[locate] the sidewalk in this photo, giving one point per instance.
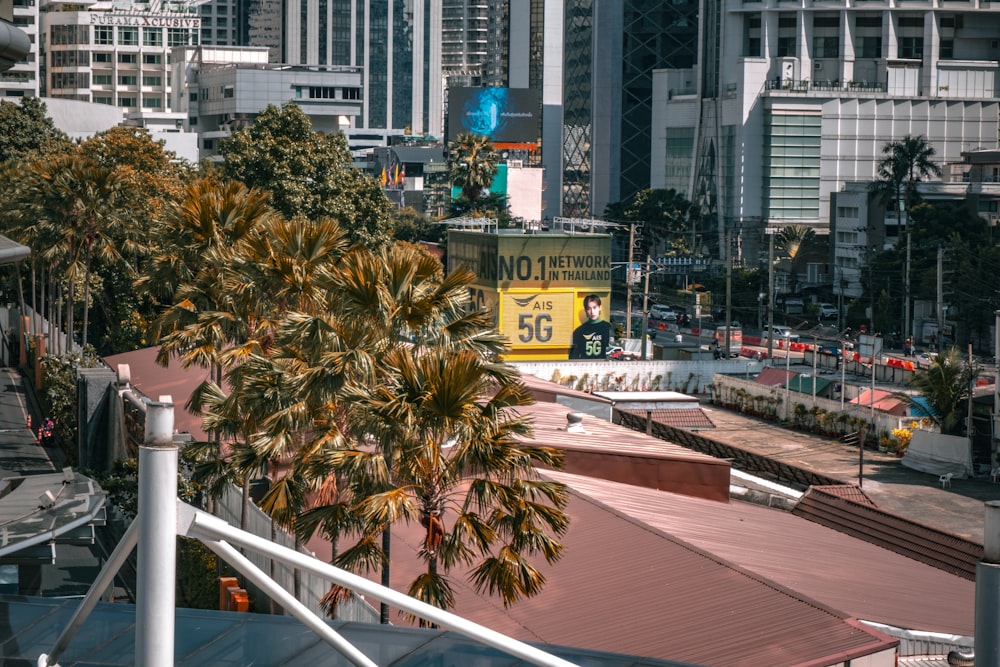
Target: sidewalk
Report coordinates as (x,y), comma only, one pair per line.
(893,487)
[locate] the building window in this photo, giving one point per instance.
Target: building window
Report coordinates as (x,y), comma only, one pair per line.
(70,34)
(152,36)
(70,58)
(911,48)
(102,79)
(128,36)
(786,46)
(847,212)
(104,34)
(322,93)
(208,144)
(102,58)
(352,93)
(228,92)
(102,100)
(791,165)
(947,49)
(177,37)
(127,58)
(126,101)
(869,47)
(152,81)
(71,80)
(126,80)
(192,97)
(152,102)
(753,41)
(826,47)
(152,58)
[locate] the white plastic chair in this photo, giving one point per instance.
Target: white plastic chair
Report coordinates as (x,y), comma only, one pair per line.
(945,480)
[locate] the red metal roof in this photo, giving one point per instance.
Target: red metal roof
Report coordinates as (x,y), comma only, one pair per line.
(884,401)
(628,585)
(774,377)
(862,580)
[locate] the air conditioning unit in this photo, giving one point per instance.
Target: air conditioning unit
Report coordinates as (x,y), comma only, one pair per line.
(515,164)
(817,66)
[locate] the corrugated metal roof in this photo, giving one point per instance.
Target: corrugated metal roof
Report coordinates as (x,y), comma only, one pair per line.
(865,521)
(774,377)
(881,400)
(861,579)
(627,584)
(551,424)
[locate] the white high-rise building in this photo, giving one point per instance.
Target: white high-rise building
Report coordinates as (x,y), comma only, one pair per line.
(789,102)
(113,53)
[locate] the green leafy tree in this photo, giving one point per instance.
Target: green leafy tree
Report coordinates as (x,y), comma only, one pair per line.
(946,385)
(413,226)
(472,165)
(26,130)
(307,173)
(669,221)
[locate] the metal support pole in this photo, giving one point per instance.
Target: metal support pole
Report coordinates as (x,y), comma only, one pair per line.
(861,457)
(628,281)
(788,378)
(157,558)
(645,312)
(843,373)
(987,638)
(770,298)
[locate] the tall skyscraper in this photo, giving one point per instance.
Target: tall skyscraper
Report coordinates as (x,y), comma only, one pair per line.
(593,60)
(397,44)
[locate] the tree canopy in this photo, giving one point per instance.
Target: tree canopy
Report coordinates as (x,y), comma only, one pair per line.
(307,173)
(26,129)
(668,221)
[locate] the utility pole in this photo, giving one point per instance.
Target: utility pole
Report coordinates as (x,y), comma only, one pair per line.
(729,294)
(628,280)
(972,395)
(770,297)
(645,311)
(940,300)
(906,281)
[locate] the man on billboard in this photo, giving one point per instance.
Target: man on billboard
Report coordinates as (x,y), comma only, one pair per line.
(592,338)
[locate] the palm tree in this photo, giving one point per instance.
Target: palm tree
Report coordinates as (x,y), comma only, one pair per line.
(472,164)
(377,304)
(903,165)
(945,384)
(791,240)
(449,454)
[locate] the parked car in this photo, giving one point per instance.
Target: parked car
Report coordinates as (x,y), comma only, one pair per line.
(661,311)
(778,332)
(827,311)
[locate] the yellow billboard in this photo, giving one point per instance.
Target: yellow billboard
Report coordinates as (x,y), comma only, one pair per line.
(539,261)
(537,285)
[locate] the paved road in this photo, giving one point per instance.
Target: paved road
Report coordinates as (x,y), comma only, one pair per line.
(893,487)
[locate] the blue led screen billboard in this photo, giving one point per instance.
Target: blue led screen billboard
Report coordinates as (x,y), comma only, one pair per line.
(505,115)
